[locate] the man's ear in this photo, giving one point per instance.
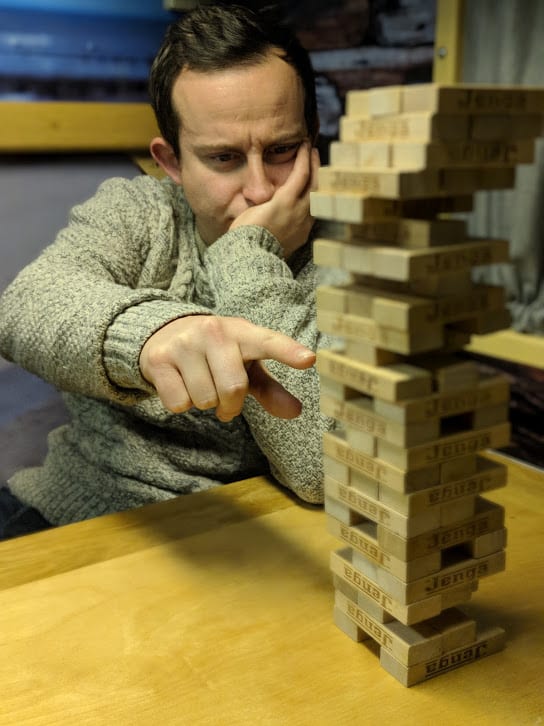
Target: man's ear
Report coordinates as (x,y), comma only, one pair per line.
(164,155)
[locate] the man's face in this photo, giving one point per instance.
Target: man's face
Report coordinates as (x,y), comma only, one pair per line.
(240,132)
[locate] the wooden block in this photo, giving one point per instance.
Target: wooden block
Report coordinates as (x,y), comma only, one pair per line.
(410,184)
(335,446)
(384,101)
(458,468)
(363,484)
(336,470)
(340,511)
(393,263)
(355,208)
(461,573)
(456,628)
(409,233)
(358,155)
(328,253)
(488,476)
(408,644)
(382,616)
(384,182)
(329,387)
(362,539)
(504,127)
(348,627)
(451,373)
(486,322)
(466,98)
(408,127)
(488,518)
(366,352)
(488,642)
(331,298)
(360,440)
(490,415)
(376,511)
(322,205)
(390,383)
(487,544)
(358,102)
(405,312)
(467,443)
(359,413)
(341,566)
(356,327)
(439,286)
(462,508)
(490,390)
(405,155)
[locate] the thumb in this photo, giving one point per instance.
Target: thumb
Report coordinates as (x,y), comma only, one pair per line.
(269,392)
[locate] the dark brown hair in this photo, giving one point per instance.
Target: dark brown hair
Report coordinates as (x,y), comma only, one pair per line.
(212,38)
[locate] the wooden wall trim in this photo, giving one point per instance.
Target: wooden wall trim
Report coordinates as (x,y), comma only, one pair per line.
(52,126)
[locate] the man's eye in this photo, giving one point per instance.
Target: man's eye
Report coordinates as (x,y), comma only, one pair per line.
(282,153)
(225,158)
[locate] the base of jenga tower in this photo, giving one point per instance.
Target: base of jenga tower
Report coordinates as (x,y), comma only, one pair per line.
(404,651)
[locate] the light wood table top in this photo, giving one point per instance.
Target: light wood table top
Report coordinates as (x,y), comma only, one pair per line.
(217,609)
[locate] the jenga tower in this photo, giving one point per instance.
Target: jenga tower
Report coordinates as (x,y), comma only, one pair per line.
(403,476)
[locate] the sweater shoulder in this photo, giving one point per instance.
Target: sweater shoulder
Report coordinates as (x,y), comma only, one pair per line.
(145,192)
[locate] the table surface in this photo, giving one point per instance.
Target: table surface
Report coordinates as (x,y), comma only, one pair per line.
(217,609)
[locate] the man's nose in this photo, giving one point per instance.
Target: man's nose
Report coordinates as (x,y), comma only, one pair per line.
(258,188)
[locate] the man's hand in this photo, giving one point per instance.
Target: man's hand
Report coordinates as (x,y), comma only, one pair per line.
(209,361)
(287,214)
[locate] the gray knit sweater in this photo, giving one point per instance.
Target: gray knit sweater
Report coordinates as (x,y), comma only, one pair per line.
(129,262)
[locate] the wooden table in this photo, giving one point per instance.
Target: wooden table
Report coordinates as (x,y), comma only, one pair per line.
(217,609)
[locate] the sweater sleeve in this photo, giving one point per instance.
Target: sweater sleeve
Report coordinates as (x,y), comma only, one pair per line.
(251,279)
(78,315)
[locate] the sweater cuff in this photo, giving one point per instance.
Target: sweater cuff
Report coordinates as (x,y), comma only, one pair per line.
(247,251)
(128,333)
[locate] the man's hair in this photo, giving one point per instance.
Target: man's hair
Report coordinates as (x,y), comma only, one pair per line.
(213,38)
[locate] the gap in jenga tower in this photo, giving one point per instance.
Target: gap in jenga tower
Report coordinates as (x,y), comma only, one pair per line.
(405,478)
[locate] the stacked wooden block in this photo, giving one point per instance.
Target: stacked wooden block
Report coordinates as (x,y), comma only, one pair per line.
(404,474)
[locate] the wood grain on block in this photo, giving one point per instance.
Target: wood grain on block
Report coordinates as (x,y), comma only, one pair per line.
(410,645)
(335,446)
(356,327)
(380,513)
(422,127)
(411,155)
(490,641)
(409,233)
(393,263)
(469,98)
(359,413)
(392,383)
(491,390)
(362,538)
(462,573)
(488,518)
(356,208)
(489,475)
(359,154)
(341,565)
(445,448)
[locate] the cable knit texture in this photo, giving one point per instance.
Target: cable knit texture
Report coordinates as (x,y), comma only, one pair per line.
(127,264)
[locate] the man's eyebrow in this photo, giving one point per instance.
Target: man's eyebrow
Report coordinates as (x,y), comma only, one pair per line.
(228,147)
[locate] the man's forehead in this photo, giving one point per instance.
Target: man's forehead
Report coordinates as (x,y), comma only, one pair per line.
(262,102)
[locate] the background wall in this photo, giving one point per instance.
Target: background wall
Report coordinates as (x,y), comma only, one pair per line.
(503,43)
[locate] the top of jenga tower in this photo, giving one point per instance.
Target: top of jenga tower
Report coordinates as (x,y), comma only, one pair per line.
(451,99)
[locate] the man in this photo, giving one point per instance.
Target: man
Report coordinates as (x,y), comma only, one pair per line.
(154,309)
